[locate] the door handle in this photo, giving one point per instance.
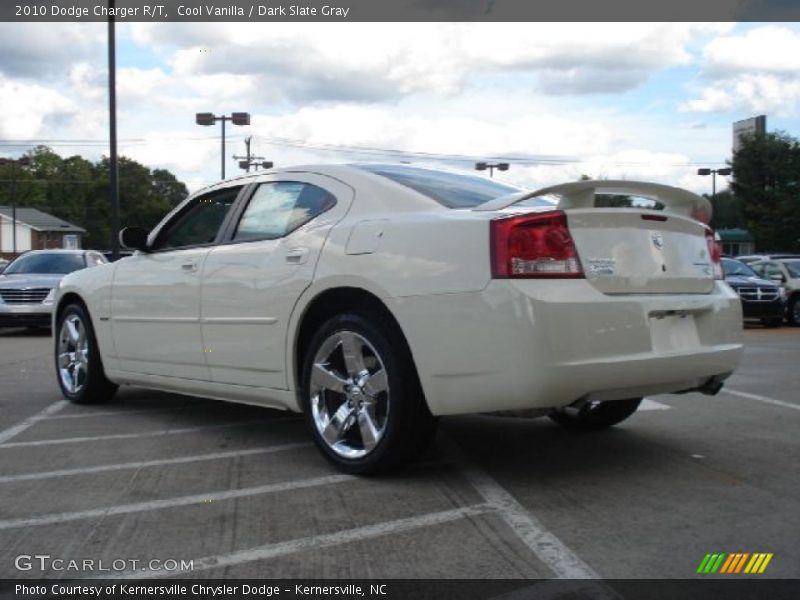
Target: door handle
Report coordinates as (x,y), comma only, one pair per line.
(297,256)
(189,267)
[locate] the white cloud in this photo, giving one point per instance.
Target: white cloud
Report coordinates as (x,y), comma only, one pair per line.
(768,49)
(28,108)
(376,61)
(756,71)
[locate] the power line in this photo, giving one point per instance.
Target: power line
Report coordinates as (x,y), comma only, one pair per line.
(368,150)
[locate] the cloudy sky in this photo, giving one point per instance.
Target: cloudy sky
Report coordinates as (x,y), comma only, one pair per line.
(637,101)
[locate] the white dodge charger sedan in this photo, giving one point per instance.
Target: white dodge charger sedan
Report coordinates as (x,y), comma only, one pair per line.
(375,298)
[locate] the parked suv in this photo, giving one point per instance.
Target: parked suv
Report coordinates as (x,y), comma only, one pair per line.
(28,284)
(761,299)
(785,272)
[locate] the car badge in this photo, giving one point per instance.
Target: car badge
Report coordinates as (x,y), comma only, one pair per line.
(658,240)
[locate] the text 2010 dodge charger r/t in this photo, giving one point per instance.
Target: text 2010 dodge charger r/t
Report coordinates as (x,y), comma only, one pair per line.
(375,298)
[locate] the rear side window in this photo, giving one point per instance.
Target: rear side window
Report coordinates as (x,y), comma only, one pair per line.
(278,208)
(453,190)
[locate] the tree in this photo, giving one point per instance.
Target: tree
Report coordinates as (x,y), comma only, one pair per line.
(78,190)
(766,182)
(727,213)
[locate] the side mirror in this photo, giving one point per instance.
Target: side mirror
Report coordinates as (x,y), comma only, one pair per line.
(133,238)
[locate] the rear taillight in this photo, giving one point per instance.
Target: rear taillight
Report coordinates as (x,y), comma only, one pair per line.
(533,245)
(714,254)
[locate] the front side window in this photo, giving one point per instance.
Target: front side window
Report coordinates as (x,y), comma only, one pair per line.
(793,266)
(278,208)
(199,223)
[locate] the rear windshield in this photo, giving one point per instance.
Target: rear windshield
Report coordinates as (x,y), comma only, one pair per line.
(58,264)
(453,190)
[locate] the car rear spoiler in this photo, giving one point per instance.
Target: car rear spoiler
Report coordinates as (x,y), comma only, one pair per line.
(581,194)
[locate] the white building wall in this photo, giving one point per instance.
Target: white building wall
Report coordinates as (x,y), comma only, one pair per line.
(7,236)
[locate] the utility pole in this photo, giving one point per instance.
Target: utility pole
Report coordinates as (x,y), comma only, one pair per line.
(247,161)
(19,162)
(112,137)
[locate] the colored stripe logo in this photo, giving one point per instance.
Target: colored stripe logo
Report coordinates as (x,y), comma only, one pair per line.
(734,563)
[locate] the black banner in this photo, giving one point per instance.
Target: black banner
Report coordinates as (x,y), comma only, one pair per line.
(400,10)
(421,589)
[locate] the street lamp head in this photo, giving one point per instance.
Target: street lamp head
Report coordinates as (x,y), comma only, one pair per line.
(240,118)
(502,166)
(267,164)
(481,166)
(725,171)
(704,171)
(205,118)
(243,164)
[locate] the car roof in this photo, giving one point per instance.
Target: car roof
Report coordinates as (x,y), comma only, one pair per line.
(347,172)
(55,251)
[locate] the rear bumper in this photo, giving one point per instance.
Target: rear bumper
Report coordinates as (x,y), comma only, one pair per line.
(538,344)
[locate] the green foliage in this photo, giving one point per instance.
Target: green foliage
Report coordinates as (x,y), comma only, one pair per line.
(728,213)
(767,184)
(79,191)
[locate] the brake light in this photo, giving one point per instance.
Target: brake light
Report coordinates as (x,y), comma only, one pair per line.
(533,245)
(714,253)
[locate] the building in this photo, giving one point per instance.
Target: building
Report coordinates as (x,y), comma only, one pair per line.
(36,230)
(735,242)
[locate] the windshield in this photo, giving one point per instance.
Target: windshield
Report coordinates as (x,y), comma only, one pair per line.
(735,267)
(793,266)
(46,263)
(453,190)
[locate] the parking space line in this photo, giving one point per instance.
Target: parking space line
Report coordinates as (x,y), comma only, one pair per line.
(544,544)
(758,398)
(153,463)
(124,509)
(124,436)
(316,542)
(11,432)
(648,404)
(105,413)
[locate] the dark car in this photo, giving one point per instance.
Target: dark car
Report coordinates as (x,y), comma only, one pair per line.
(761,299)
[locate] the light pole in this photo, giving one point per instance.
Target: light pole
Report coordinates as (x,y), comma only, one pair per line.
(482,166)
(22,162)
(237,118)
(714,173)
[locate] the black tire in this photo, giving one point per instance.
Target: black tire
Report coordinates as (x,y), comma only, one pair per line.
(88,376)
(400,420)
(600,416)
(793,313)
(773,322)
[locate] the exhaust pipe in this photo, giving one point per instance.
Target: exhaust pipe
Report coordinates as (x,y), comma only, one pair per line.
(577,409)
(713,385)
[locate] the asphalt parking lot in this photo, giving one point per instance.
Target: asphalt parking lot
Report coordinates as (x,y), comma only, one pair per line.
(241,492)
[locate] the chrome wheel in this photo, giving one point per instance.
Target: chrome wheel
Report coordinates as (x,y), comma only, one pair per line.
(73,354)
(349,394)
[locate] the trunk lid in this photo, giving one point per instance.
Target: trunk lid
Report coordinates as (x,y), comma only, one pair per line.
(629,251)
